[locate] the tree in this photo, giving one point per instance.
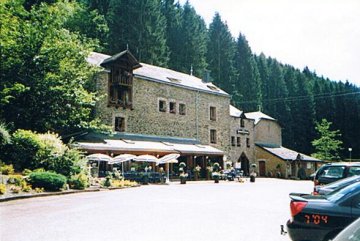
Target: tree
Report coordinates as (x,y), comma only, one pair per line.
(247,81)
(140,26)
(45,78)
(193,42)
(221,53)
(327,147)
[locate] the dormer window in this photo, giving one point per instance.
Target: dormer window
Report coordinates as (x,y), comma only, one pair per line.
(120,87)
(242,122)
(120,84)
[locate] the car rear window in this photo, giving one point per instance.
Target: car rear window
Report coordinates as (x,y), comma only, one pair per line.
(333,172)
(340,193)
(354,171)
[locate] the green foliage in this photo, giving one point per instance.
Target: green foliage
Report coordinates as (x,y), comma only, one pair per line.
(140,26)
(2,189)
(107,182)
(30,150)
(79,181)
(17,180)
(6,169)
(44,74)
(5,137)
(48,180)
(327,146)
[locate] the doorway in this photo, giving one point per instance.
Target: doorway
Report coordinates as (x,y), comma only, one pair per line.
(245,165)
(262,168)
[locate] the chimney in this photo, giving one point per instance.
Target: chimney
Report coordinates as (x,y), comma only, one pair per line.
(206,76)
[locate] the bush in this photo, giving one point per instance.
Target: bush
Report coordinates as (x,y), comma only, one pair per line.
(48,180)
(7,169)
(2,189)
(30,150)
(79,181)
(27,172)
(16,180)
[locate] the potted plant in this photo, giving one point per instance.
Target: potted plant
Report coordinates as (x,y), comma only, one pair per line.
(216,176)
(197,170)
(208,172)
(183,177)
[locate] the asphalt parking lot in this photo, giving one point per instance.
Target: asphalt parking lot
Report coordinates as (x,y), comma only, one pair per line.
(196,211)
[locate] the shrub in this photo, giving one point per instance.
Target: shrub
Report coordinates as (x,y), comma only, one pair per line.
(7,169)
(107,182)
(30,150)
(48,180)
(27,172)
(79,181)
(15,189)
(25,187)
(39,190)
(2,189)
(16,180)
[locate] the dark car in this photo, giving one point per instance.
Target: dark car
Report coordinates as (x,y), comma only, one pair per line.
(350,233)
(326,189)
(320,218)
(332,172)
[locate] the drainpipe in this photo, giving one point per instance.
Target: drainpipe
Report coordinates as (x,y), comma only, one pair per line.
(197,114)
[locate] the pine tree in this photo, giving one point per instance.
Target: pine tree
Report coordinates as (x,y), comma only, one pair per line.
(221,54)
(247,81)
(140,26)
(193,36)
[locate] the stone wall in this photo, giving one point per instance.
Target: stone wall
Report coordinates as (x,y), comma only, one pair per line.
(236,151)
(271,162)
(268,132)
(145,117)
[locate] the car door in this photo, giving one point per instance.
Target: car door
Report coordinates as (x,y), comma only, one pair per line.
(355,206)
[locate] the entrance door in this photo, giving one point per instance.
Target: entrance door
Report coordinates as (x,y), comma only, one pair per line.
(262,168)
(245,166)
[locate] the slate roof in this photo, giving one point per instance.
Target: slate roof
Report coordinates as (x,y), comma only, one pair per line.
(257,116)
(163,75)
(235,112)
(287,154)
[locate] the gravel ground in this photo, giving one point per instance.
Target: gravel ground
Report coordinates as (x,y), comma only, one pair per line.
(196,211)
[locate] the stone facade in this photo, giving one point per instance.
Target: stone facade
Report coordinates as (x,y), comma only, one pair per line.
(268,132)
(240,151)
(144,117)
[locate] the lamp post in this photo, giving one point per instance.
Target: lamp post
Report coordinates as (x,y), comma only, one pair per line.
(350,149)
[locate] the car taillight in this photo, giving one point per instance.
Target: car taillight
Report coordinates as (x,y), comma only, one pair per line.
(296,207)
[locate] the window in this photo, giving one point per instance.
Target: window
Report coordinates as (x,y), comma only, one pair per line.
(248,142)
(182,109)
(238,141)
(162,105)
(172,107)
(213,136)
(119,124)
(354,171)
(212,113)
(333,172)
(242,122)
(233,140)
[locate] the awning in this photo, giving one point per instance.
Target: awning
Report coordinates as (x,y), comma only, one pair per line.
(127,146)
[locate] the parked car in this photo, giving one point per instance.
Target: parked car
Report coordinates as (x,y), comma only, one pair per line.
(332,172)
(350,233)
(320,218)
(326,189)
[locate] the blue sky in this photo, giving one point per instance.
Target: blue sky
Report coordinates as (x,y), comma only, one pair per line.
(321,34)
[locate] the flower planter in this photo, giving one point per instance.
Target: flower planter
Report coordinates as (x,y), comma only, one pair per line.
(182,181)
(216,180)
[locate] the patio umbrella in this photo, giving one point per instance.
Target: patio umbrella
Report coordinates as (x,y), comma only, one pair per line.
(121,159)
(170,158)
(146,158)
(99,157)
(167,159)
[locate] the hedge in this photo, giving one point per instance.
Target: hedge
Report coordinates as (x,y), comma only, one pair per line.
(48,180)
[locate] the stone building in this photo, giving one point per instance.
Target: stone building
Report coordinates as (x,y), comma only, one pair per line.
(169,110)
(272,158)
(158,111)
